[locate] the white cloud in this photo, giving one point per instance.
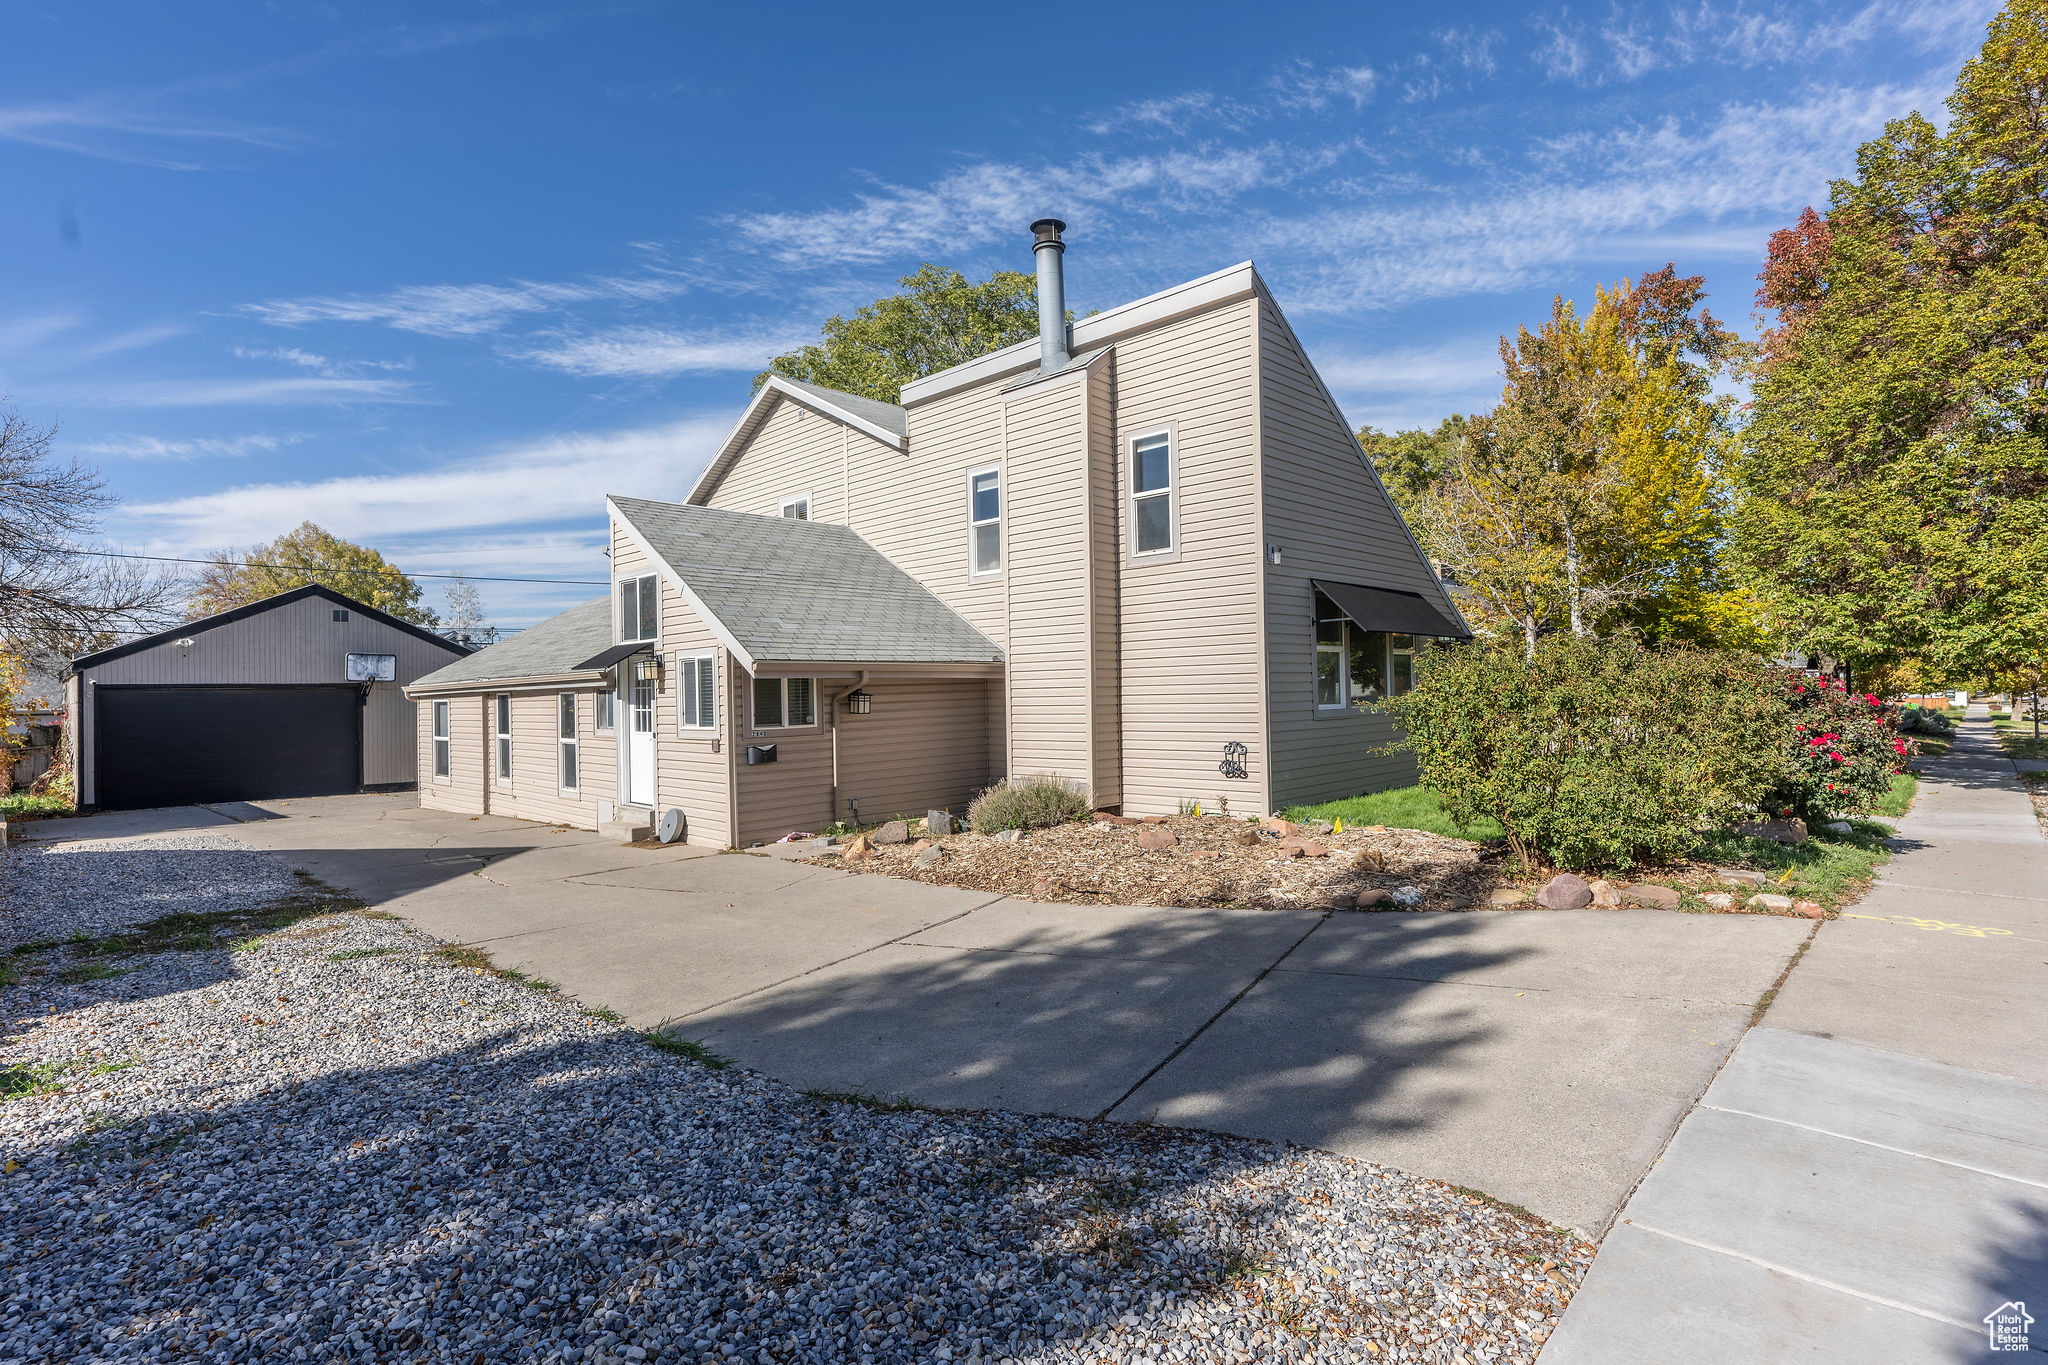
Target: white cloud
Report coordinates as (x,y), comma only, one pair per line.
(1466,365)
(207,393)
(458,310)
(132,135)
(191,448)
(1304,85)
(649,352)
(1471,48)
(320,364)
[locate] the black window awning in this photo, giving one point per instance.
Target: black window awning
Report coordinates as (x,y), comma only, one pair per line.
(1404,613)
(617,653)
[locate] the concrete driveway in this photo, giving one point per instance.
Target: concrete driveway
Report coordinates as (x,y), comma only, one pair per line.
(1544,1058)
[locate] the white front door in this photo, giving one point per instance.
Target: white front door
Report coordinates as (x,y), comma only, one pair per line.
(640,735)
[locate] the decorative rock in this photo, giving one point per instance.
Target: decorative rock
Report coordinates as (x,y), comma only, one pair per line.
(1720,900)
(920,846)
(1151,819)
(1606,895)
(1369,860)
(938,823)
(1010,836)
(1766,901)
(1103,817)
(1407,897)
(1507,895)
(1273,824)
(895,832)
(857,848)
(1840,827)
(1810,909)
(1157,840)
(1319,826)
(1644,893)
(1736,876)
(1246,839)
(929,857)
(1043,888)
(1788,831)
(1373,900)
(1565,891)
(1289,848)
(1305,848)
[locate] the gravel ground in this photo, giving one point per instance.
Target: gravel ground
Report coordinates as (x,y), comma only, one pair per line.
(49,891)
(338,1142)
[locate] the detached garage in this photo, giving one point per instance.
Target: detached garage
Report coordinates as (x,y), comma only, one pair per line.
(296,695)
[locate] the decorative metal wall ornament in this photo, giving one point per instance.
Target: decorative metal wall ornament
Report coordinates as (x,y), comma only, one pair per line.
(1234,755)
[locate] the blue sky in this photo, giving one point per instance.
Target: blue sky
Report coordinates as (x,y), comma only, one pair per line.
(440,276)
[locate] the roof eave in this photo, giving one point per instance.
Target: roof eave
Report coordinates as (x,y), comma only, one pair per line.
(539,682)
(743,431)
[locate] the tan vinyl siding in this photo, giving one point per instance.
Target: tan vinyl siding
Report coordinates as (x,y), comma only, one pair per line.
(1105,683)
(693,769)
(1324,509)
(1047,473)
(534,793)
(1189,627)
(463,791)
(795,791)
(797,450)
(291,644)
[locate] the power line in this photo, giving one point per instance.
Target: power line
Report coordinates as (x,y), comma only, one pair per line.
(290,568)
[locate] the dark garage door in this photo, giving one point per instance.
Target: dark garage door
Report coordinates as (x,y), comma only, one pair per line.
(167,746)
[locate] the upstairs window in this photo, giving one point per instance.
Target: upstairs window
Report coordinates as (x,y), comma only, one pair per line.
(639,609)
(985,521)
(784,703)
(1155,510)
(797,508)
(697,707)
(504,710)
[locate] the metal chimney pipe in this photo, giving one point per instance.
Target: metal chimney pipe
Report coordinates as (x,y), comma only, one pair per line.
(1047,247)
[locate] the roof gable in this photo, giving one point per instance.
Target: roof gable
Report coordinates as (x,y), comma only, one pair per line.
(885,422)
(779,590)
(257,608)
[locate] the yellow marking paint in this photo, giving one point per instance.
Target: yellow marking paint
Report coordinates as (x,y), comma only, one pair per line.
(1934,926)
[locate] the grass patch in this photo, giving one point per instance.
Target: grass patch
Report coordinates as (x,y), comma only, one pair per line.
(2016,738)
(356,954)
(80,972)
(875,1103)
(26,1080)
(1401,808)
(1899,799)
(686,1047)
(185,931)
(33,806)
(605,1013)
(1473,1196)
(476,959)
(1832,869)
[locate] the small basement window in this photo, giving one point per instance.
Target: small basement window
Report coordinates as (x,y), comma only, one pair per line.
(504,710)
(565,706)
(697,708)
(1155,508)
(441,739)
(784,703)
(639,609)
(984,522)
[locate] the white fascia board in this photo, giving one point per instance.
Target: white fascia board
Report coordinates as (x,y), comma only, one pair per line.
(1099,329)
(1076,373)
(575,681)
(750,419)
(1374,474)
(668,571)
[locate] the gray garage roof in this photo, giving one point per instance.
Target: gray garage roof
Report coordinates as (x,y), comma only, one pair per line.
(790,591)
(549,649)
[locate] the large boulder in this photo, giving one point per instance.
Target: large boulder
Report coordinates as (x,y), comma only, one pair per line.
(1153,839)
(1644,893)
(1606,895)
(895,832)
(938,823)
(1565,891)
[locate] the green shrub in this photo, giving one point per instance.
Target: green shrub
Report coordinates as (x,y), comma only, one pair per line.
(1595,753)
(1921,720)
(1841,754)
(1036,802)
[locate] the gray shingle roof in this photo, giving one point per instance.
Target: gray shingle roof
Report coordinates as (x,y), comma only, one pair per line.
(554,646)
(887,416)
(793,591)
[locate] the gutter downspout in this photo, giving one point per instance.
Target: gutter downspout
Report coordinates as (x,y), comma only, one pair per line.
(859,681)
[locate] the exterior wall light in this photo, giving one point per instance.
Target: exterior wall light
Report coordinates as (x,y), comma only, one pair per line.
(860,703)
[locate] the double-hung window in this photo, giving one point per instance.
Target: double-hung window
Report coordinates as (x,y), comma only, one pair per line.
(607,707)
(1355,665)
(984,522)
(565,710)
(797,508)
(440,739)
(639,609)
(504,711)
(784,703)
(1155,495)
(697,706)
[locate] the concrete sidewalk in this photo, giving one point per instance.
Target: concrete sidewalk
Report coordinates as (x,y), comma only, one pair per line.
(1867,1179)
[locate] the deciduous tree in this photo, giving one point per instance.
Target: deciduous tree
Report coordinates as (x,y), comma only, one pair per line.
(306,555)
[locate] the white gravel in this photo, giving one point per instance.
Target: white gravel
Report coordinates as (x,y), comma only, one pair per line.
(273,1154)
(51,890)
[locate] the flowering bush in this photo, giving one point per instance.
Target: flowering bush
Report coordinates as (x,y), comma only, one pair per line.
(1841,754)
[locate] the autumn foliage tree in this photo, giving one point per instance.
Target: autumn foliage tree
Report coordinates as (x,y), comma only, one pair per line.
(1894,472)
(297,558)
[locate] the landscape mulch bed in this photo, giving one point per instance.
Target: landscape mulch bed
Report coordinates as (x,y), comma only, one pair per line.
(1215,861)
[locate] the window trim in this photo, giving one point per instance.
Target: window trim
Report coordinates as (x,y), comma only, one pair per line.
(753,721)
(501,734)
(704,660)
(1171,554)
(640,582)
(1002,548)
(568,748)
(437,732)
(792,500)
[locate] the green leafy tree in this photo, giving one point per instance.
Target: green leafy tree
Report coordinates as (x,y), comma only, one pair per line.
(1413,464)
(1894,472)
(939,320)
(306,555)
